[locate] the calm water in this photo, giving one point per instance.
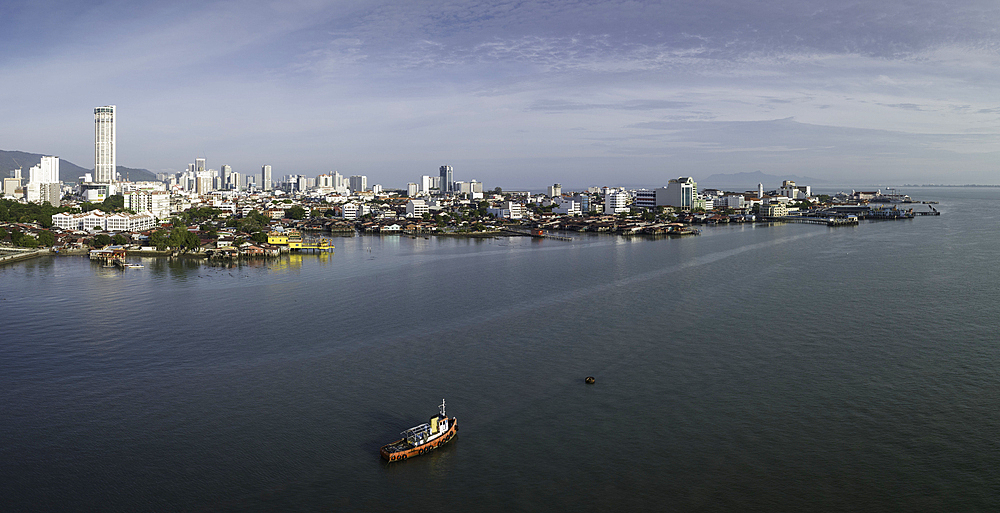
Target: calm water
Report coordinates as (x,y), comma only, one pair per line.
(753,368)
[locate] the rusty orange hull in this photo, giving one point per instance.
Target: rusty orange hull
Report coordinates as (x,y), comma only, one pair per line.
(389,454)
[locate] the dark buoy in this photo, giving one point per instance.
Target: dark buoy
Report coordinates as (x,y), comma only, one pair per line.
(590,380)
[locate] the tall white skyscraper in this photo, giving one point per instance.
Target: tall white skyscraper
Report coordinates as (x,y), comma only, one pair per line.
(104,144)
(265,178)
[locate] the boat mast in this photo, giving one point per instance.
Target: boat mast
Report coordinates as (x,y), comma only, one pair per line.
(442,408)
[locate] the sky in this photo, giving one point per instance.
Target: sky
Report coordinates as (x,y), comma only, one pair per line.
(515,94)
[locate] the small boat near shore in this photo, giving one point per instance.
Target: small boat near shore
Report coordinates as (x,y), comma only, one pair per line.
(421,439)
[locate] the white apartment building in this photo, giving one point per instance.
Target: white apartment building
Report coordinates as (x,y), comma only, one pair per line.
(349,210)
(616,202)
(129,222)
(566,206)
(507,210)
(153,202)
(416,208)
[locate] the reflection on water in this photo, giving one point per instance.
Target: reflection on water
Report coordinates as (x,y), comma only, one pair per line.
(736,371)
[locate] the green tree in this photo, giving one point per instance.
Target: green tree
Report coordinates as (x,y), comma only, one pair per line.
(159,239)
(46,238)
(259,237)
(100,240)
(113,203)
(3,234)
(119,240)
(27,241)
(296,212)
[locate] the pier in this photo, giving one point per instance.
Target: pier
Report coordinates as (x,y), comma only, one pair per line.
(829,221)
(537,233)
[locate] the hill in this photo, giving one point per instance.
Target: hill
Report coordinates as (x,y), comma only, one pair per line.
(68,171)
(749,181)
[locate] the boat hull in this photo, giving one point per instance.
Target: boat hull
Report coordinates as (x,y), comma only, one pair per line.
(405,454)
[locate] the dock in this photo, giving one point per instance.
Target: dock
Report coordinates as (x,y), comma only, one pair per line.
(537,233)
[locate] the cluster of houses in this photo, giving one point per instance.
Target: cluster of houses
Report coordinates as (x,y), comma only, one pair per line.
(598,209)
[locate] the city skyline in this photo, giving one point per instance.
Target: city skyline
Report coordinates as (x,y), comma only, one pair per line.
(517,96)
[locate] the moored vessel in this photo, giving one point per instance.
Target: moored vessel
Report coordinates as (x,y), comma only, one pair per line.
(418,440)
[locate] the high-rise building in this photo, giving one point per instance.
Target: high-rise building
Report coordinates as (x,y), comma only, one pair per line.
(358,183)
(680,192)
(199,165)
(265,178)
(104,144)
(226,172)
(447,179)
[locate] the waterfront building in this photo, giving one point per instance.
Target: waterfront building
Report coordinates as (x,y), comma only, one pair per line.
(736,201)
(416,208)
(790,190)
(96,219)
(507,210)
(773,210)
(566,206)
(447,179)
(616,202)
(680,192)
(105,145)
(265,178)
(645,198)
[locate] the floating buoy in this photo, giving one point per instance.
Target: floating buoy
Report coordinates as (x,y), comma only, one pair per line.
(590,380)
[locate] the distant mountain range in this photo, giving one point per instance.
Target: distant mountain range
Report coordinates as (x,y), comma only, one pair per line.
(749,181)
(68,171)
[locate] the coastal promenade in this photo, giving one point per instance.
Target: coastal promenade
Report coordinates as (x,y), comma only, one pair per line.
(11,255)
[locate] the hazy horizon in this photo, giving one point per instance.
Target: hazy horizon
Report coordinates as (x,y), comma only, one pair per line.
(516,95)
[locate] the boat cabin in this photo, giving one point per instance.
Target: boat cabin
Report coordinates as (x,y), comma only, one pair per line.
(423,433)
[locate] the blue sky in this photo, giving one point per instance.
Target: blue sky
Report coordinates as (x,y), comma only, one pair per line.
(515,94)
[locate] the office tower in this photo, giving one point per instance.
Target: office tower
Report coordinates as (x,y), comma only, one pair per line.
(104,144)
(555,190)
(265,178)
(447,179)
(358,183)
(226,172)
(199,165)
(234,181)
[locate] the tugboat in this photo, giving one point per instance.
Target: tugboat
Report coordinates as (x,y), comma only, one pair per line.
(423,438)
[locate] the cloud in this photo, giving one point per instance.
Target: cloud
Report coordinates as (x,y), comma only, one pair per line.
(642,105)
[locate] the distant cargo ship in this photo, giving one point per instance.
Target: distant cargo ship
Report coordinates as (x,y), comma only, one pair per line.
(423,438)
